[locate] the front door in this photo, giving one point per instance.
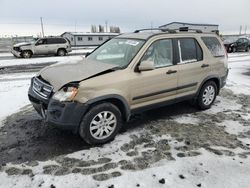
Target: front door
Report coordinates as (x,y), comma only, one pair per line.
(157,85)
(41,47)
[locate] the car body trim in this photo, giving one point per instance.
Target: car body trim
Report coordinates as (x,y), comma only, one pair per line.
(165,91)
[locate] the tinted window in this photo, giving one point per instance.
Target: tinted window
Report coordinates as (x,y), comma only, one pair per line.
(56,40)
(214,46)
(190,50)
(61,40)
(41,42)
(160,52)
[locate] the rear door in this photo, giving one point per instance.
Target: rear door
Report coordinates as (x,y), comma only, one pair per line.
(53,45)
(192,69)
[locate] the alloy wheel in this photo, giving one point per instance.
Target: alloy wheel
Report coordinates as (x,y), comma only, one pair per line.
(103,125)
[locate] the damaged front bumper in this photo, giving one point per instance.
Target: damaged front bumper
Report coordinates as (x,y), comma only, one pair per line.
(15,53)
(64,115)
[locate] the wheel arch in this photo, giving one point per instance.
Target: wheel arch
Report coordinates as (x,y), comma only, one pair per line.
(61,48)
(217,81)
(117,100)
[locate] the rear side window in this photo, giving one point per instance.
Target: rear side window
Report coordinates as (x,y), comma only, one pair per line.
(56,41)
(190,50)
(214,46)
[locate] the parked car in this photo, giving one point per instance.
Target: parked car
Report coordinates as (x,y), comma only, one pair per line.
(45,46)
(126,75)
(242,44)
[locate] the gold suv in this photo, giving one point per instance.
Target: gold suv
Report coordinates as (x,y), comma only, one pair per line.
(126,75)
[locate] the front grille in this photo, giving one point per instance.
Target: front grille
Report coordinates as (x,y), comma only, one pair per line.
(41,88)
(16,49)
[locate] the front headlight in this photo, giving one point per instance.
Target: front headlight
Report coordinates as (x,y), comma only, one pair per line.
(66,94)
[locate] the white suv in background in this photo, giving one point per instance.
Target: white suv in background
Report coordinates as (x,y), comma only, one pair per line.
(45,46)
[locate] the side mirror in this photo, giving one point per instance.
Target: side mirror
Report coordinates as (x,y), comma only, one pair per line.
(87,54)
(146,66)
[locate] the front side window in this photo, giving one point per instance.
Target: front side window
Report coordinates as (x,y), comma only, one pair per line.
(189,50)
(41,42)
(118,52)
(214,46)
(160,52)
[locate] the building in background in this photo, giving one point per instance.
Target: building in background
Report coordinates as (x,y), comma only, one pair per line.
(202,27)
(88,39)
(18,39)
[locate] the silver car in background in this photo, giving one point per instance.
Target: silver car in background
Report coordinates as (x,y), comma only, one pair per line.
(45,46)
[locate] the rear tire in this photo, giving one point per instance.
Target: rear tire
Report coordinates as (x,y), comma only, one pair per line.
(26,54)
(100,124)
(207,95)
(61,52)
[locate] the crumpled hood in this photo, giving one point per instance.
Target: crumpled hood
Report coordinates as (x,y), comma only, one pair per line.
(62,73)
(22,44)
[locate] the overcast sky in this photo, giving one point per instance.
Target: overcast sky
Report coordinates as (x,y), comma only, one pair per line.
(22,17)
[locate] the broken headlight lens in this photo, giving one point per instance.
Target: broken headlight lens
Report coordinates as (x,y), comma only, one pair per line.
(66,94)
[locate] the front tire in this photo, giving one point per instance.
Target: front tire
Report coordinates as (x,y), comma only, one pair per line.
(26,54)
(100,124)
(207,95)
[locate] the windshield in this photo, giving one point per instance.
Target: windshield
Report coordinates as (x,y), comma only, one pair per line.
(117,51)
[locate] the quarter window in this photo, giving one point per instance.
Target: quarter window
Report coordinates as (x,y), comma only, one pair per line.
(214,46)
(190,50)
(160,52)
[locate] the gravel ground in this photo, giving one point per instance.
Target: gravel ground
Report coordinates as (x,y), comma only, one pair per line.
(154,135)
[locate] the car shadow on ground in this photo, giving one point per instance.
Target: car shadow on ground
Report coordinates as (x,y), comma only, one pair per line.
(26,137)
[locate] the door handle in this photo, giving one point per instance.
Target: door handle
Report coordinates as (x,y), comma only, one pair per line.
(171,72)
(204,65)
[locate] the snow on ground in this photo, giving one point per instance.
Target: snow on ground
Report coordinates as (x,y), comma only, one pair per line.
(13,94)
(226,164)
(237,81)
(38,60)
(73,52)
(205,170)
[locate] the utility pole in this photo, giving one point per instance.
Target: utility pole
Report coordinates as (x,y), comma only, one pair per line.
(42,26)
(106,23)
(246,30)
(240,29)
(75,25)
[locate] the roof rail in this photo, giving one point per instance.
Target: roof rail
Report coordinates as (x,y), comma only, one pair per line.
(187,29)
(155,29)
(181,29)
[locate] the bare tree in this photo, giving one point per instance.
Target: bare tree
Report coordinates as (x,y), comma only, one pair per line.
(101,29)
(93,29)
(114,29)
